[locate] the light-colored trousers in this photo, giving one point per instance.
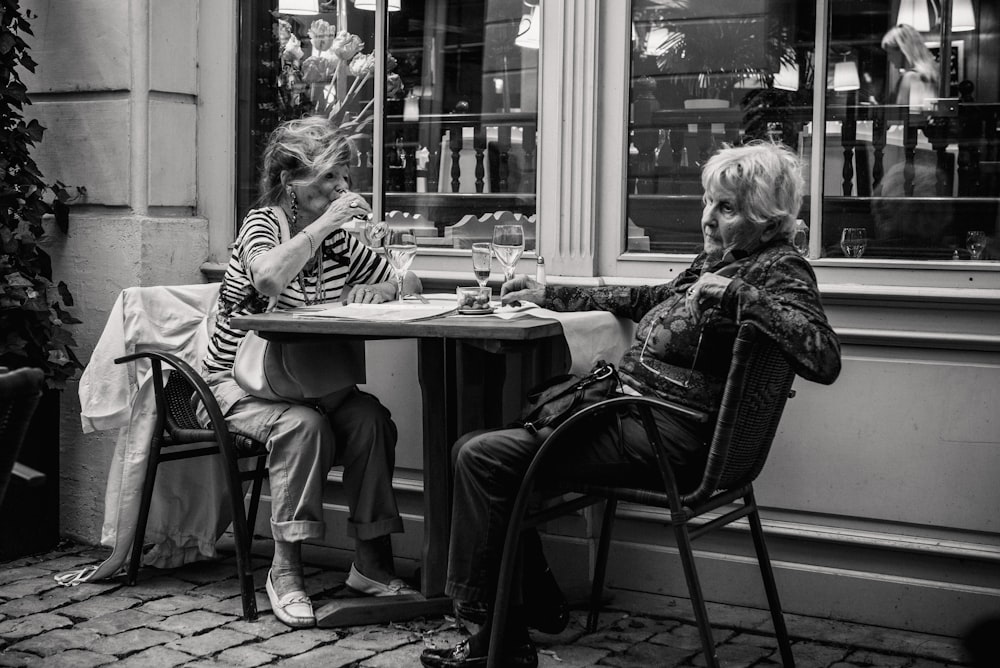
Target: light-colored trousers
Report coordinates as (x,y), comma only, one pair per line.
(304,443)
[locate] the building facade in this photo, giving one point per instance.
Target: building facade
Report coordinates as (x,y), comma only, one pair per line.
(589,120)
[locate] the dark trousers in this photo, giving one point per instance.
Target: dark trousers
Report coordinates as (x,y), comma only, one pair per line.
(490,465)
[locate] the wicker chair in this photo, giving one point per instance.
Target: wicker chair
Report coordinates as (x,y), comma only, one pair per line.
(758,384)
(178,435)
(20,391)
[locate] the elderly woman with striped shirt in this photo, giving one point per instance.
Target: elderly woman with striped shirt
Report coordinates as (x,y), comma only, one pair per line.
(305,179)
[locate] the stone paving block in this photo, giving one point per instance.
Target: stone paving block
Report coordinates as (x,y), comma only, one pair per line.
(28,587)
(11,574)
(927,663)
(265,626)
(56,641)
(755,639)
(814,654)
(98,606)
(246,656)
(132,641)
(227,588)
(738,655)
(22,627)
(29,605)
(161,657)
(644,655)
(18,659)
(65,562)
(203,572)
(379,639)
(116,622)
(207,644)
(569,656)
(192,622)
(294,642)
(879,639)
(325,581)
(78,658)
(156,587)
(683,636)
(234,604)
(624,633)
(329,656)
(174,605)
(867,658)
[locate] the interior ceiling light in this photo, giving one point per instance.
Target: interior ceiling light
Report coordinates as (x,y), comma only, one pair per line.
(301,7)
(914,13)
(529,28)
(369,5)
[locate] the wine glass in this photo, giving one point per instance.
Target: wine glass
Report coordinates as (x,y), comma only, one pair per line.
(853,241)
(508,244)
(400,248)
(482,255)
(975,241)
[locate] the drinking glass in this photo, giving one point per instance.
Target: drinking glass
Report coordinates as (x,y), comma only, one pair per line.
(482,255)
(853,241)
(508,244)
(975,241)
(400,248)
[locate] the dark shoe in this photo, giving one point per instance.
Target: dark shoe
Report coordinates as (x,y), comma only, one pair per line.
(522,656)
(545,607)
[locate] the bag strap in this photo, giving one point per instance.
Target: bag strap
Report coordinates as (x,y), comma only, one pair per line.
(283,237)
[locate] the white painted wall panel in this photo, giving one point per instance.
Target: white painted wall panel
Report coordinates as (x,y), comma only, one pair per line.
(172,153)
(173,39)
(79,46)
(86,143)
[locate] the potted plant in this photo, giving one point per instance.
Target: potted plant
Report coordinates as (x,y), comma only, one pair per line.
(33,317)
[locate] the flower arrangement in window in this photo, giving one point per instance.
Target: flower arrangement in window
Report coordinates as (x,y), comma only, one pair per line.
(331,79)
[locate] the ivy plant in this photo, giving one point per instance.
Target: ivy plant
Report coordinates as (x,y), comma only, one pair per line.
(33,310)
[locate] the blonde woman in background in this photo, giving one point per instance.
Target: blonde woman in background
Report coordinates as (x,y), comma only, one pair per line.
(918,80)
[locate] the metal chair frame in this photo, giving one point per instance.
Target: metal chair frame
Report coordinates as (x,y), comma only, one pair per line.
(758,384)
(20,391)
(178,435)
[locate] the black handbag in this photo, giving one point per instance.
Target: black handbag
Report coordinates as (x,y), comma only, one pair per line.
(555,400)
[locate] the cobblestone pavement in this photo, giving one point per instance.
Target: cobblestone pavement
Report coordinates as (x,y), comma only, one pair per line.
(191,617)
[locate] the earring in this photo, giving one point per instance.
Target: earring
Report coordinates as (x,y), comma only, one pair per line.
(293,201)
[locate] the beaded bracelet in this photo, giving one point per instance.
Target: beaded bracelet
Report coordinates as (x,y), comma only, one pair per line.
(312,242)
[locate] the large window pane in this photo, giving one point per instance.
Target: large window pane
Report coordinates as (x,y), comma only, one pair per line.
(911,155)
(459,97)
(704,74)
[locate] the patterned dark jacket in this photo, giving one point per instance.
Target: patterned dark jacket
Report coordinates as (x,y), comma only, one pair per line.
(774,288)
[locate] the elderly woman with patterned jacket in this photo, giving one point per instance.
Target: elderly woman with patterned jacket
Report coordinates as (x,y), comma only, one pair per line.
(747,273)
(305,180)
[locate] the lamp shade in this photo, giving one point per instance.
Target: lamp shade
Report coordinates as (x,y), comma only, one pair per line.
(962,17)
(298,7)
(914,13)
(845,76)
(369,5)
(529,29)
(787,77)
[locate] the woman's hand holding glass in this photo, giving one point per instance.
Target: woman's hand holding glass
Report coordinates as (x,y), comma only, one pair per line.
(521,289)
(349,207)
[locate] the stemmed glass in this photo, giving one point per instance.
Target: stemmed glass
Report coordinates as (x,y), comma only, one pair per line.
(975,241)
(853,241)
(400,248)
(508,244)
(482,255)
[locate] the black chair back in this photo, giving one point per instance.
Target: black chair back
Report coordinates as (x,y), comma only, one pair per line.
(20,391)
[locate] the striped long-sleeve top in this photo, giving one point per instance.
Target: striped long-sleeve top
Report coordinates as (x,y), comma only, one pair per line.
(346,261)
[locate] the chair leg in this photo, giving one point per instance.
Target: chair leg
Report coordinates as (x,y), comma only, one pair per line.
(255,491)
(241,535)
(770,587)
(694,590)
(146,499)
(601,567)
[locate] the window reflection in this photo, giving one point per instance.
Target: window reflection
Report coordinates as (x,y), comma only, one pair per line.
(908,154)
(460,104)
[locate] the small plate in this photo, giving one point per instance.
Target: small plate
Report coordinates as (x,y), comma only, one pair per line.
(475,311)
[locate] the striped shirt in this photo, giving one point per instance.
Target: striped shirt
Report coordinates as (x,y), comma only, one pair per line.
(346,261)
